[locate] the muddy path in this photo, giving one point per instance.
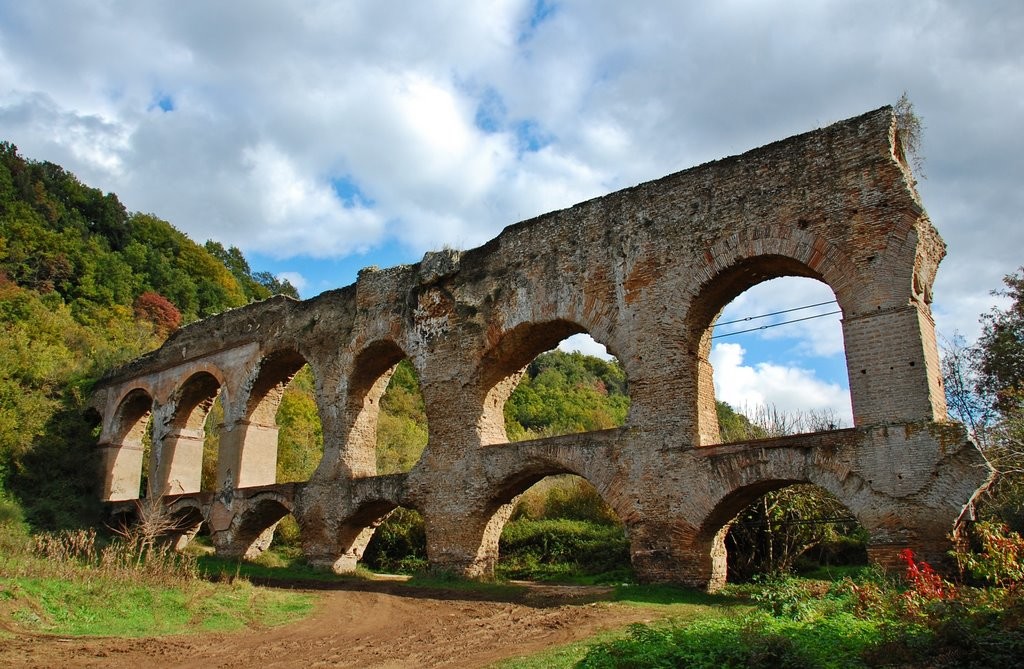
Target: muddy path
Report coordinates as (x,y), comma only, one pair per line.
(376,624)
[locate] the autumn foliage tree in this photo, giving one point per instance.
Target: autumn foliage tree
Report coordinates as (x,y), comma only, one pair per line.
(158,310)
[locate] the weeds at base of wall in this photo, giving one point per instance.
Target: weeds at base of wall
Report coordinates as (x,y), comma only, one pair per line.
(71,583)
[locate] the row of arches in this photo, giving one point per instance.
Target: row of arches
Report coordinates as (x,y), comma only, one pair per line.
(733,531)
(201,438)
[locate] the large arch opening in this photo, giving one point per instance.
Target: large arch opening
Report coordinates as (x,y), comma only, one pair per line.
(549,523)
(561,529)
(548,379)
(387,435)
(783,527)
(770,357)
(398,544)
(255,531)
(551,379)
(279,438)
(387,430)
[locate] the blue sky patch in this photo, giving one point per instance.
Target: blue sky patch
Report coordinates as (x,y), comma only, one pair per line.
(349,193)
(162,101)
(530,137)
(490,111)
(322,274)
(541,12)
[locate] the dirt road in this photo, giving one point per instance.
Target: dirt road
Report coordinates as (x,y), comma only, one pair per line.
(371,625)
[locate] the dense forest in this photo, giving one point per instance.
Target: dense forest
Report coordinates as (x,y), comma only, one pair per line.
(86,285)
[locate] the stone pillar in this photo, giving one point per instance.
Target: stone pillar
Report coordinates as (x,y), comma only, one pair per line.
(180,466)
(893,366)
(121,471)
(663,552)
(340,552)
(465,544)
(707,412)
(248,455)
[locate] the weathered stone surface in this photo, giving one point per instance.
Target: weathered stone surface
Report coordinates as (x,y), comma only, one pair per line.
(645,271)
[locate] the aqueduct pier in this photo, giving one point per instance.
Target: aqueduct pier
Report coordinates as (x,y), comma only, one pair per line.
(645,271)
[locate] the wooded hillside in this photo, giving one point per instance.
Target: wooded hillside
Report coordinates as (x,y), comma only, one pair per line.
(86,285)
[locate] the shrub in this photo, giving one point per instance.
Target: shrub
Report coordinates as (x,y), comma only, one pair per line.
(569,497)
(999,559)
(399,545)
(158,310)
(545,548)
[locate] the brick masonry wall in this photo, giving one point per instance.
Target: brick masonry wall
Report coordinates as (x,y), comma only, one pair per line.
(645,271)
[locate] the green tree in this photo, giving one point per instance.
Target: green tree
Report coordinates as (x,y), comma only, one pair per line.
(300,441)
(73,262)
(998,372)
(564,393)
(401,423)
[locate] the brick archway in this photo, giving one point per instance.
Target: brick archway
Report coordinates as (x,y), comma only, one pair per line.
(645,270)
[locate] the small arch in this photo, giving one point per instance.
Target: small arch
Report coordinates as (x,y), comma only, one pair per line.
(254,531)
(193,401)
(248,448)
(274,373)
(533,477)
(560,528)
(398,544)
(387,422)
(178,467)
(184,523)
(124,454)
(129,423)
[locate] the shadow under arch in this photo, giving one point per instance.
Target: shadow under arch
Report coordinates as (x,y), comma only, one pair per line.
(253,530)
(715,530)
(706,307)
(184,521)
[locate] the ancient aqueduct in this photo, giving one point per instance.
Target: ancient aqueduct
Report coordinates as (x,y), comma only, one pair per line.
(645,271)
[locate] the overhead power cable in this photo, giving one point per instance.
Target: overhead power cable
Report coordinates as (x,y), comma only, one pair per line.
(776,313)
(775,325)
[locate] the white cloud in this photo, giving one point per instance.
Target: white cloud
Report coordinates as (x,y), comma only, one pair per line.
(272,103)
(585,344)
(790,389)
(294,278)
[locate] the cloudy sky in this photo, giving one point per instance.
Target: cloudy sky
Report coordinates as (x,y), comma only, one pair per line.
(321,137)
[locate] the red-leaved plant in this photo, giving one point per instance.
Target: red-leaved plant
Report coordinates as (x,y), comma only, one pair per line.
(926,585)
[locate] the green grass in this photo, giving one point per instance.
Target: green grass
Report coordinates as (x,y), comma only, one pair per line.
(70,584)
(560,657)
(270,566)
(674,605)
(101,607)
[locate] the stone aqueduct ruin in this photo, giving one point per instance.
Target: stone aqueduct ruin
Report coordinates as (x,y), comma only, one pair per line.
(645,271)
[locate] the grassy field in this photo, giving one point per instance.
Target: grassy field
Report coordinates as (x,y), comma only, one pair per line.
(72,584)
